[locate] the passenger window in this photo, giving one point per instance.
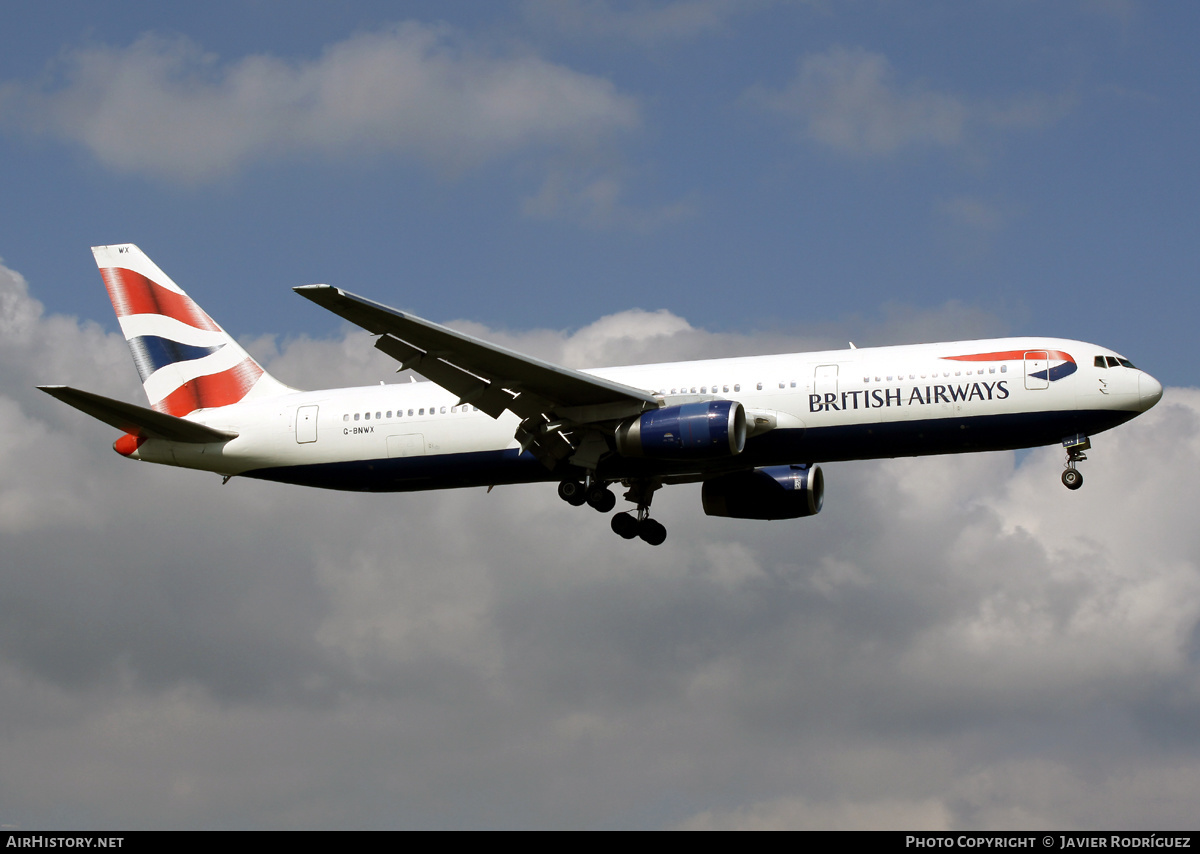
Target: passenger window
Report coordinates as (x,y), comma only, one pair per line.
(355,416)
(737,386)
(346,417)
(378,415)
(421,411)
(760,386)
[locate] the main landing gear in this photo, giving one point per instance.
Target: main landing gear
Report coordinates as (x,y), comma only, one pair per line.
(628,525)
(598,495)
(1072,478)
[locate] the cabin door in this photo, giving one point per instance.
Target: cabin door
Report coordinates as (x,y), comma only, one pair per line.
(1037,369)
(306,424)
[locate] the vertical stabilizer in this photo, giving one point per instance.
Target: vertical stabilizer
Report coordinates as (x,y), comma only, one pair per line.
(186,361)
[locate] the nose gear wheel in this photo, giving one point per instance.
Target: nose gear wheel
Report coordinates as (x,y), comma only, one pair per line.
(1072,478)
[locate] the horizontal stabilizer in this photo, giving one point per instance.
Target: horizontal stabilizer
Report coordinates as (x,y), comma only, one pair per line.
(137,420)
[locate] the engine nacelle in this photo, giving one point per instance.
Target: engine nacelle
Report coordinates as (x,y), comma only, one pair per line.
(775,492)
(690,431)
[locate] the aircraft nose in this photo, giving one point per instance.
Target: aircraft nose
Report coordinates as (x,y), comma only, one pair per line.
(1149,390)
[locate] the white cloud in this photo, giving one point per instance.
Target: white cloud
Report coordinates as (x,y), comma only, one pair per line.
(850,100)
(954,642)
(847,99)
(600,200)
(166,108)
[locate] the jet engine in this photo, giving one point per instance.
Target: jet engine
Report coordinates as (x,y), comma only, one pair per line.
(690,431)
(774,492)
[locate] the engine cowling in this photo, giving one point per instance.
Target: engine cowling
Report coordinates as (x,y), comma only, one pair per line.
(774,492)
(715,428)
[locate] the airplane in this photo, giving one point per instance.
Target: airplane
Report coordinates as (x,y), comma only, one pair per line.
(752,430)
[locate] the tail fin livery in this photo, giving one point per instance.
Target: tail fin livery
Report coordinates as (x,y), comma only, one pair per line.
(186,361)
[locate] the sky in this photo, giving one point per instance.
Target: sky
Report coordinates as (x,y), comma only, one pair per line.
(953,643)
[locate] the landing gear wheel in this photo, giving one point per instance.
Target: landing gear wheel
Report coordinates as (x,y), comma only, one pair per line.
(652,532)
(625,526)
(601,498)
(1075,445)
(572,492)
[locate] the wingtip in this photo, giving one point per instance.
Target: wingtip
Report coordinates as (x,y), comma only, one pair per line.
(314,291)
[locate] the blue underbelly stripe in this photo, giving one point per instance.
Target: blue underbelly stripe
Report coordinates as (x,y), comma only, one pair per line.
(779,447)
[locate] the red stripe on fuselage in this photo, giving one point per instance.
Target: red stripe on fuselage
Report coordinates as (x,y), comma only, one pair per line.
(1009,355)
(211,391)
(133,293)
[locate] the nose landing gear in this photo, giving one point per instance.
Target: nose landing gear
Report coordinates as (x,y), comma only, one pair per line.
(1072,478)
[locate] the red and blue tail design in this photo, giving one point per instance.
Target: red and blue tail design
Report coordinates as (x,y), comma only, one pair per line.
(1059,364)
(186,361)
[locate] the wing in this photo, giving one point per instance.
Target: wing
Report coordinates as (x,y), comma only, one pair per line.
(555,404)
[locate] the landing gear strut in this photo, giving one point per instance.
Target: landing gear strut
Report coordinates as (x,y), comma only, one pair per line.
(1072,478)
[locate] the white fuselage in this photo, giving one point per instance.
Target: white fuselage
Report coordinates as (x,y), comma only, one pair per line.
(810,407)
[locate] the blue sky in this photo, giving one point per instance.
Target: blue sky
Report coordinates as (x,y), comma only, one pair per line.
(953,642)
(748,166)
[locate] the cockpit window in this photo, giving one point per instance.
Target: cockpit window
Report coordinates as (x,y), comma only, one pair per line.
(1113,362)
